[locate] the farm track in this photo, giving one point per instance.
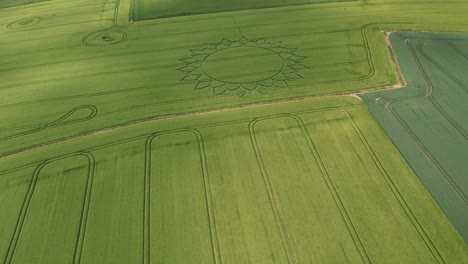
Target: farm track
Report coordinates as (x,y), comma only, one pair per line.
(58,122)
(273,196)
(27,201)
(398,196)
(214,235)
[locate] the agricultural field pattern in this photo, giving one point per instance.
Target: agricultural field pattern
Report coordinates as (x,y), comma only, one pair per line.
(428,120)
(265,131)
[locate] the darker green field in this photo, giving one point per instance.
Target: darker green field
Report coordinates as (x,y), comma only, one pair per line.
(9,3)
(428,119)
(150,9)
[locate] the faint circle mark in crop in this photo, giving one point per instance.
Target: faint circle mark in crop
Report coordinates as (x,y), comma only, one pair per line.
(242,66)
(105,37)
(24,22)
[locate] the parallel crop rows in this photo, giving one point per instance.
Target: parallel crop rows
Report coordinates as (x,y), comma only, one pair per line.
(198,138)
(438,103)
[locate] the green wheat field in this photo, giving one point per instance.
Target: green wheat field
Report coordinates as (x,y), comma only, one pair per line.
(216,131)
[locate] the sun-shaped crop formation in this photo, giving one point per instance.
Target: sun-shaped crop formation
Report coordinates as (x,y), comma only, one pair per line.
(242,66)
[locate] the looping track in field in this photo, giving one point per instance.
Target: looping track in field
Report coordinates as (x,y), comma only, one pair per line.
(214,236)
(287,243)
(23,217)
(105,37)
(93,111)
(108,36)
(24,23)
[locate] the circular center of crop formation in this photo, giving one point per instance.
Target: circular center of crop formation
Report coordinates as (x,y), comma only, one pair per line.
(25,22)
(242,66)
(104,37)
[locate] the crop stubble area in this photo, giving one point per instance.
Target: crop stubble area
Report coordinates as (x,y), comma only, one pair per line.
(179,140)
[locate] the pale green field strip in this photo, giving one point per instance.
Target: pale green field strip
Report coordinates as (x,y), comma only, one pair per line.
(151,68)
(428,119)
(151,9)
(310,181)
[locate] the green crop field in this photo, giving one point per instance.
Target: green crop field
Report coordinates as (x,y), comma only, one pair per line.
(150,9)
(428,120)
(10,3)
(68,55)
(227,132)
(310,181)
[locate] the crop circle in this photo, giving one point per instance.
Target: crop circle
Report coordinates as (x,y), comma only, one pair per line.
(242,66)
(24,22)
(104,38)
(245,64)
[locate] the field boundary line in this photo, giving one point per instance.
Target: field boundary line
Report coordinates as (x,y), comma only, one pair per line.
(29,195)
(209,200)
(396,193)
